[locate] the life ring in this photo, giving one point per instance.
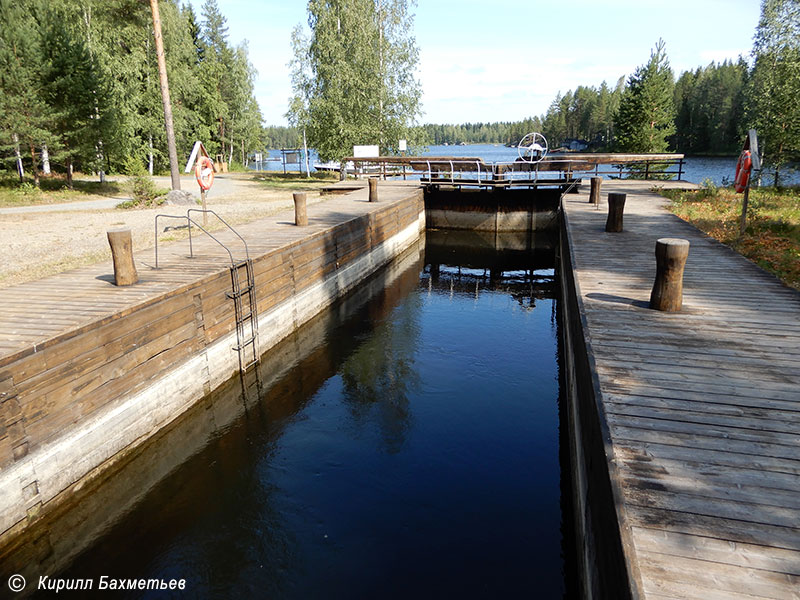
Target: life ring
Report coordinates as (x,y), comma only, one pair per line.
(743,169)
(204,172)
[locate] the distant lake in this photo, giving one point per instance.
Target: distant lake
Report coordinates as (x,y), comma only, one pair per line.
(718,169)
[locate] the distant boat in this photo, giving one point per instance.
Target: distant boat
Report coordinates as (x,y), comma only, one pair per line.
(334,165)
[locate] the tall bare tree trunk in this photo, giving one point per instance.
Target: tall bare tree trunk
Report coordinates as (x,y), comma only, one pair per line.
(20,170)
(150,157)
(174,168)
(305,151)
(45,160)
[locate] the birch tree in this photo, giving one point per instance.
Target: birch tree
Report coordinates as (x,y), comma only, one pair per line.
(354,77)
(774,86)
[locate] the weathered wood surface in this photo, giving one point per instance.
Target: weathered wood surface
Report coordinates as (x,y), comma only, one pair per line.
(74,342)
(702,406)
(32,313)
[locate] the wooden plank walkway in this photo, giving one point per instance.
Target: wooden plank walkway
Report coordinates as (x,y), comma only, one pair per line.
(703,406)
(68,303)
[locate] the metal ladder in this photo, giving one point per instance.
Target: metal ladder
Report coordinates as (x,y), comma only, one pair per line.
(243,290)
(246,313)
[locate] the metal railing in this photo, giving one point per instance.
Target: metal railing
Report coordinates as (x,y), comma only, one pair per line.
(190,222)
(552,170)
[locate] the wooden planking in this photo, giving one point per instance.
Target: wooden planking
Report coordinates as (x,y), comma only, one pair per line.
(702,406)
(99,342)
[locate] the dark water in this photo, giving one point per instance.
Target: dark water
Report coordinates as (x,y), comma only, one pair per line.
(410,451)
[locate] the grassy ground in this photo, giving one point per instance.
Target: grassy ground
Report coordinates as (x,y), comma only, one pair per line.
(772,237)
(292,181)
(54,190)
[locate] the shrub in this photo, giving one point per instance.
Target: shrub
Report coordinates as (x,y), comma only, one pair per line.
(144,193)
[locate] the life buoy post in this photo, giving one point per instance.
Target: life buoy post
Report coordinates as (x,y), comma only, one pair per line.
(748,162)
(203,171)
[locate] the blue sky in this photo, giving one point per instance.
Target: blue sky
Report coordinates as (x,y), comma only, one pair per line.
(503,60)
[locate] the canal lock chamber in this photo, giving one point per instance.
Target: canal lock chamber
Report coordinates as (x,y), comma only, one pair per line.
(412,439)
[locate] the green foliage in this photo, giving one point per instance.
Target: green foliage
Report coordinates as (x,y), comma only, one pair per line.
(710,108)
(774,85)
(586,114)
(82,78)
(24,115)
(53,189)
(772,238)
(281,137)
(354,77)
(144,192)
(646,114)
(293,181)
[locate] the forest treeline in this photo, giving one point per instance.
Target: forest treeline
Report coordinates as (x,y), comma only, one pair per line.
(79,85)
(709,115)
(79,89)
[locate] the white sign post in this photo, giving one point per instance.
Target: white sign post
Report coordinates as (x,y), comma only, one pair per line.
(199,151)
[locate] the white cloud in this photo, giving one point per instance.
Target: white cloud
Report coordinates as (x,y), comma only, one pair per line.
(497,84)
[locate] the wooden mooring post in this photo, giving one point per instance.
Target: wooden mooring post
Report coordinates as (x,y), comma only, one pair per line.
(300,213)
(616,206)
(671,255)
(122,254)
(373,189)
(594,194)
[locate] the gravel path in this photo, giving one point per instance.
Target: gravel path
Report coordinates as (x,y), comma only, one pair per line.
(47,239)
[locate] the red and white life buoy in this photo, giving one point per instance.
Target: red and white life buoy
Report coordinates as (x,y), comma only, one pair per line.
(743,169)
(204,172)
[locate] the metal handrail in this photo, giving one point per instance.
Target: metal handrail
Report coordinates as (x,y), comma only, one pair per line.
(224,222)
(189,222)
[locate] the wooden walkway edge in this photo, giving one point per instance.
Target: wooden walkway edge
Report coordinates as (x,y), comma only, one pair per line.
(702,407)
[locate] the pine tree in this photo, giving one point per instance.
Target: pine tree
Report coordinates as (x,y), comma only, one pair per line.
(69,87)
(25,118)
(646,114)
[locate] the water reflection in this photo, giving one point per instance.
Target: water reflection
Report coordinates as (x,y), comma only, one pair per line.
(379,375)
(405,445)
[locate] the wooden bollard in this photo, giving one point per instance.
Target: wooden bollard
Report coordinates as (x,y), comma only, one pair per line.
(122,253)
(616,206)
(300,214)
(373,189)
(667,294)
(594,194)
